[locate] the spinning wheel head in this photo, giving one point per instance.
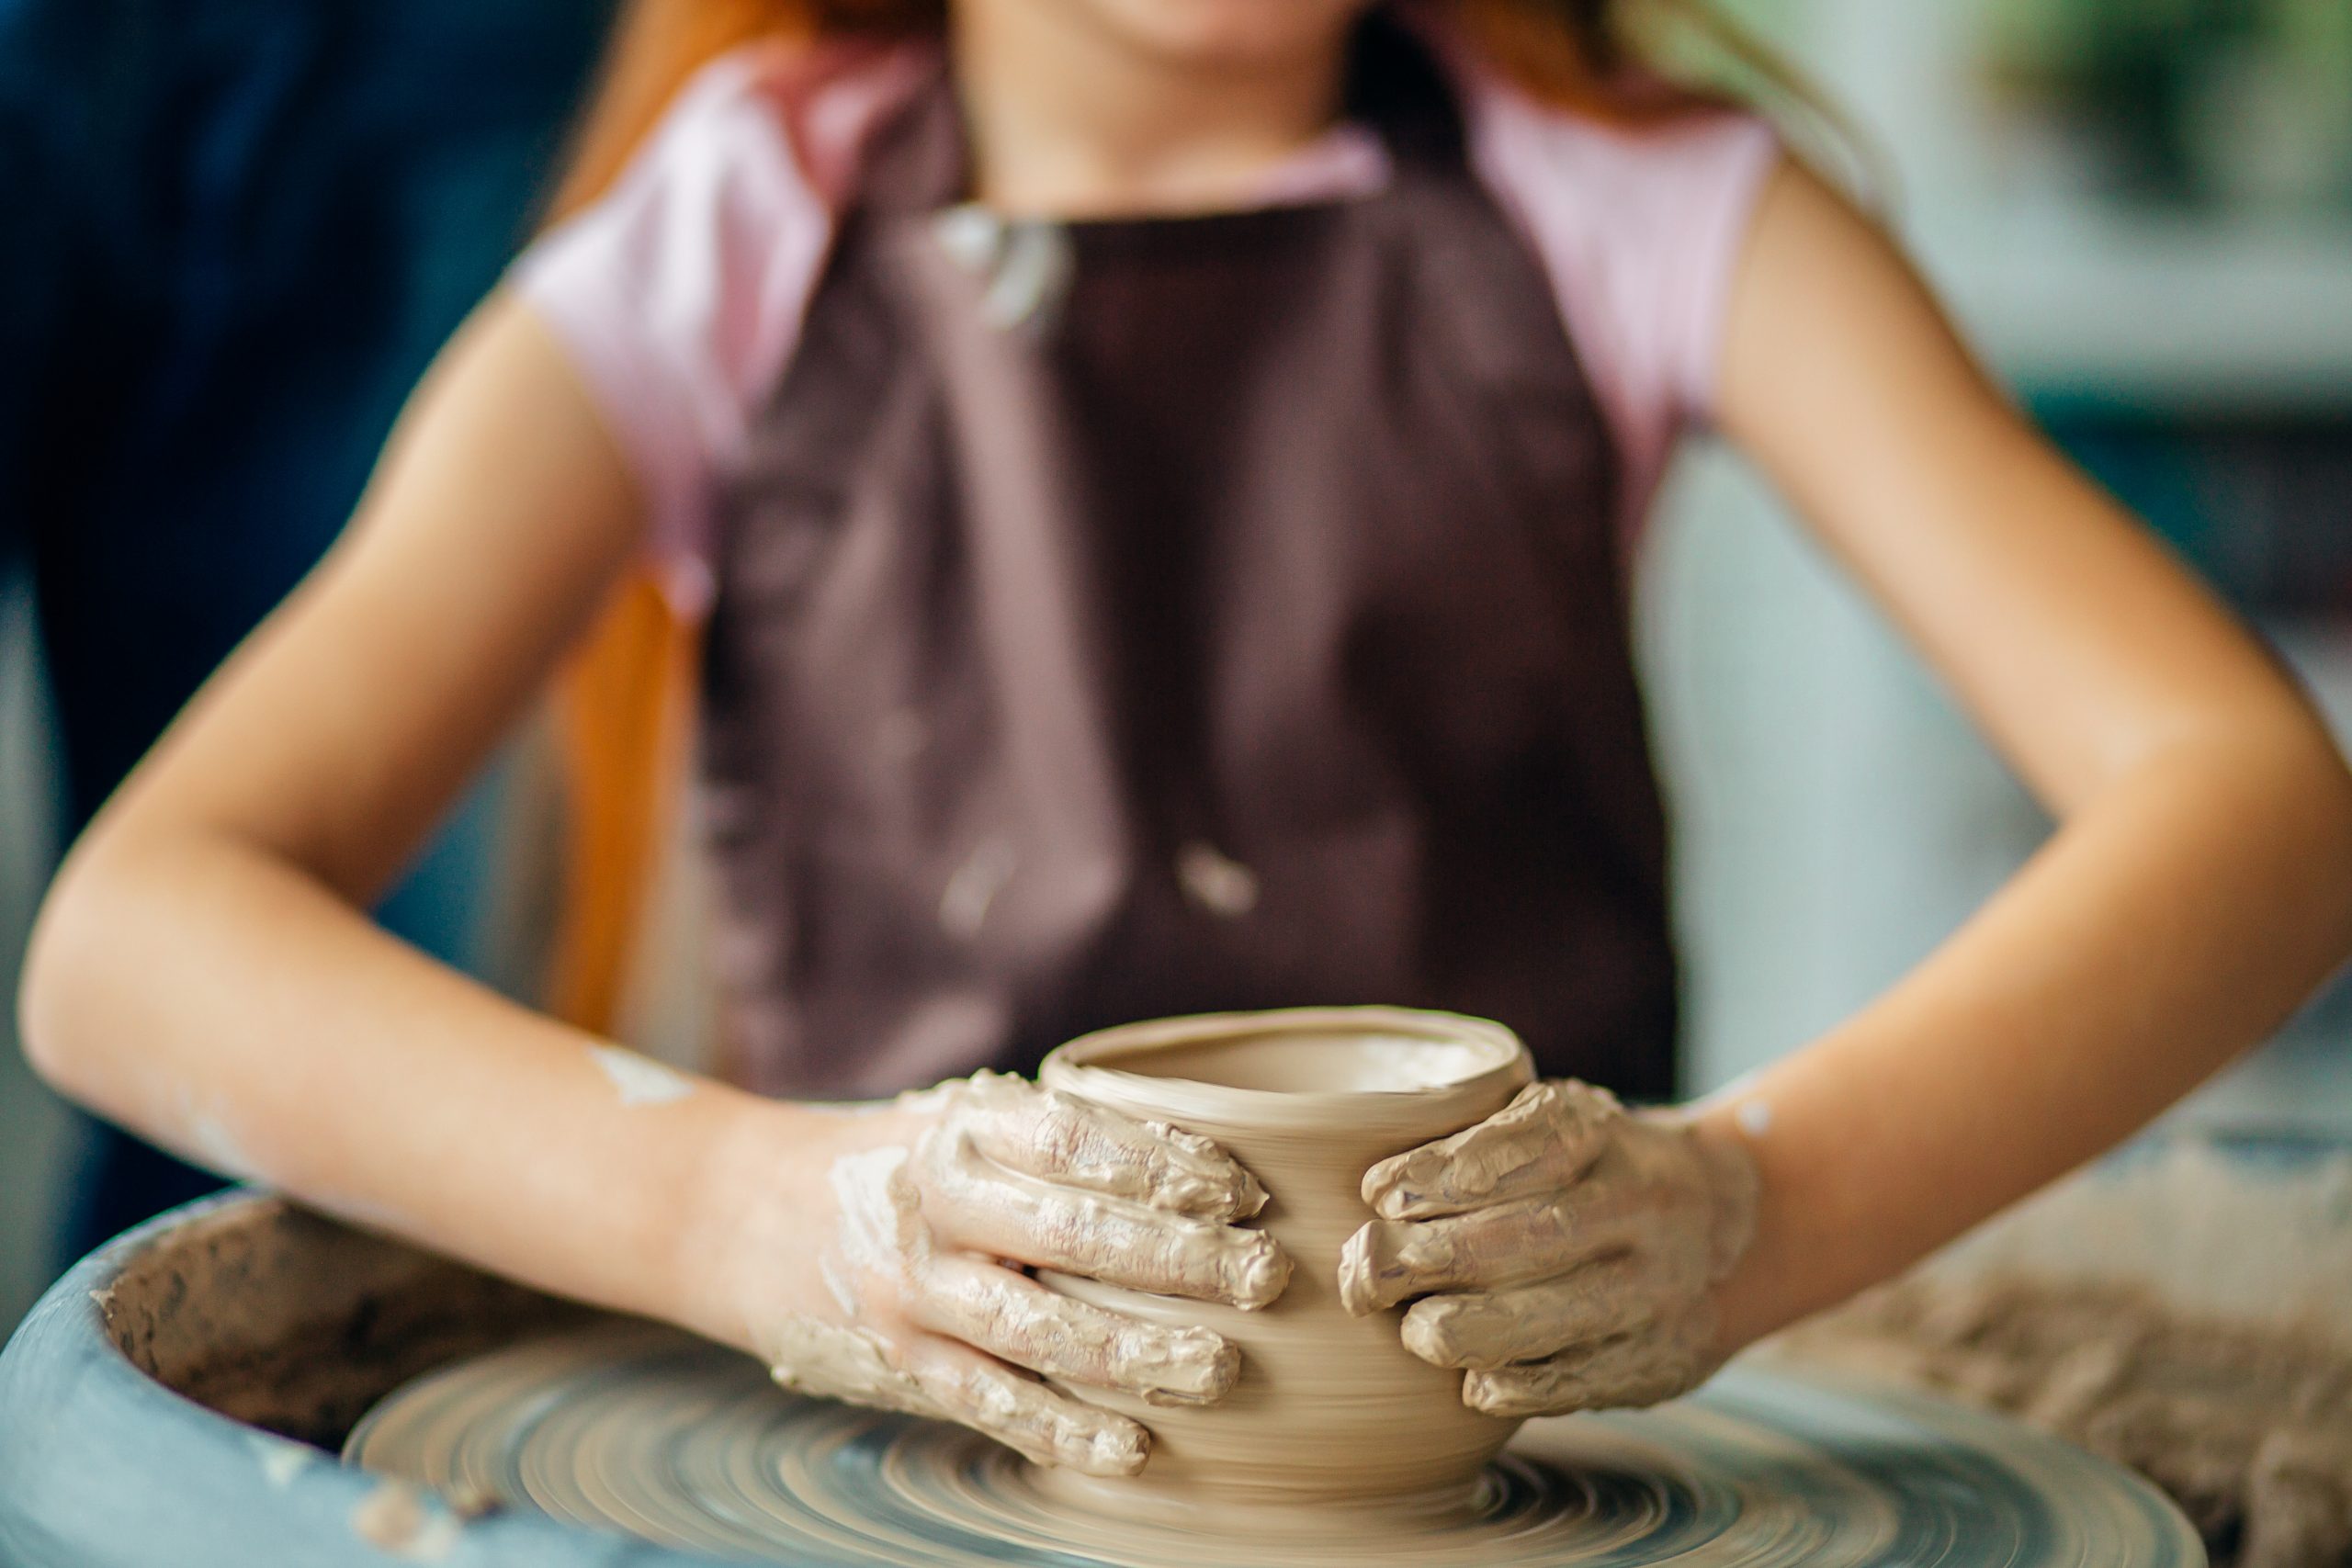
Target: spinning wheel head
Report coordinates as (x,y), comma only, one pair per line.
(650,1433)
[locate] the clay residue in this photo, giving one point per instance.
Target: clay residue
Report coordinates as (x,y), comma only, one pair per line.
(295,1324)
(1547,1137)
(1154,1249)
(854,1364)
(2248,1427)
(280,1460)
(397,1518)
(638,1079)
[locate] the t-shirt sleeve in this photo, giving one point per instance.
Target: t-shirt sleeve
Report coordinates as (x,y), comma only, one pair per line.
(679,295)
(1640,231)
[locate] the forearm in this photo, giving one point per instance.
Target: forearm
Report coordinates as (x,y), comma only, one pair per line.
(216,999)
(2174,922)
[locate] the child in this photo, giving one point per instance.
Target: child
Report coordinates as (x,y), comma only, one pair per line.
(1154,476)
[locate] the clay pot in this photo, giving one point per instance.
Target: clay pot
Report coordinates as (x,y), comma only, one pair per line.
(1330,1409)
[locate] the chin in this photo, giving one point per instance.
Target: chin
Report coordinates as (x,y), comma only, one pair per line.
(1230,33)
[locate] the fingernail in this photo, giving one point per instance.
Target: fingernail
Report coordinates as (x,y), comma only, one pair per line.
(1515,1399)
(1490,1395)
(1401,1193)
(1111,1450)
(1222,1199)
(1258,1270)
(1429,1334)
(1191,1175)
(1386,1262)
(1198,1368)
(1356,1274)
(1249,1200)
(1404,1187)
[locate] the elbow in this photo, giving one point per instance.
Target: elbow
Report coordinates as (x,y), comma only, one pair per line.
(2311,790)
(2333,841)
(2332,780)
(64,977)
(2265,786)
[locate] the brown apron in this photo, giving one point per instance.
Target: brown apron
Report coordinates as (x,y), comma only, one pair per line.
(1125,618)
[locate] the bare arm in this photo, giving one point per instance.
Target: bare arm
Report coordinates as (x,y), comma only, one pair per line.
(2200,884)
(202,971)
(1569,1254)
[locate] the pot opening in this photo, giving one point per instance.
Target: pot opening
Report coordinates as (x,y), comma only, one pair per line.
(1336,1060)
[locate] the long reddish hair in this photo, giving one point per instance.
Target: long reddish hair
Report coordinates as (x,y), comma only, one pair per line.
(629,689)
(1580,54)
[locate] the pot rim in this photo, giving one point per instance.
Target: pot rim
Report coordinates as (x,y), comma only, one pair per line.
(1087,1066)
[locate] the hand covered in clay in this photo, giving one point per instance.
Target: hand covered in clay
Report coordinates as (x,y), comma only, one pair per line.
(942,1200)
(1563,1251)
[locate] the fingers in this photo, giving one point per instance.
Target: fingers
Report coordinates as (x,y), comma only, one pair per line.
(1390,1261)
(1541,1142)
(1560,1249)
(1631,1370)
(979,1207)
(1015,1318)
(935,1377)
(1051,1136)
(1528,1323)
(1040,1423)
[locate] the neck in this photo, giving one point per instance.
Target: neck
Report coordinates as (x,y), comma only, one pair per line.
(1069,119)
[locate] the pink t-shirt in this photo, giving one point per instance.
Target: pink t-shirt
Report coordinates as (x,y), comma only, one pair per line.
(680,295)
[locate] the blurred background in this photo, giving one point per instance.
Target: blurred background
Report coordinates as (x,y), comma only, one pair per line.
(233,238)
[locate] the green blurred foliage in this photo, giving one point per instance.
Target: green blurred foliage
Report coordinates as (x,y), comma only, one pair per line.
(2192,99)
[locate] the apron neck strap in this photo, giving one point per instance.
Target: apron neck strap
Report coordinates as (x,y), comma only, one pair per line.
(921,161)
(1395,85)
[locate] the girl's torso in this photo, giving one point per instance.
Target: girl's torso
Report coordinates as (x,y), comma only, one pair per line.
(1179,615)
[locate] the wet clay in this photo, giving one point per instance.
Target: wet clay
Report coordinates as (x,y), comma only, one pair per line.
(2247,1426)
(923,1318)
(294,1324)
(1331,1413)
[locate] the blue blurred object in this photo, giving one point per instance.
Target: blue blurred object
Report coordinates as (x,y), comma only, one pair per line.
(2261,506)
(236,233)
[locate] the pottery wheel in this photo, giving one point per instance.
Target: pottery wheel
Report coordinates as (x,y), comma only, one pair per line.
(647,1432)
